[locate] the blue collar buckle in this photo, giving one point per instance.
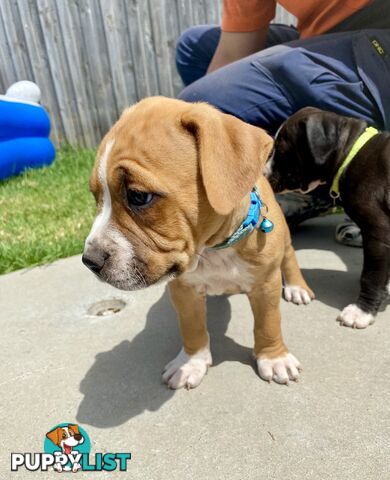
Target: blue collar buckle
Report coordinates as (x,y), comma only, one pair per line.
(250,223)
(254,210)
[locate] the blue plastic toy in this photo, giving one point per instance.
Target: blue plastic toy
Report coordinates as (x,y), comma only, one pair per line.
(24,130)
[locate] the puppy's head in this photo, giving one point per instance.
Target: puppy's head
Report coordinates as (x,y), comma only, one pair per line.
(66,437)
(304,146)
(165,177)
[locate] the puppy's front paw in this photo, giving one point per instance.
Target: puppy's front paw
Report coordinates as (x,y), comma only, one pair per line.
(187,370)
(297,294)
(280,369)
(353,316)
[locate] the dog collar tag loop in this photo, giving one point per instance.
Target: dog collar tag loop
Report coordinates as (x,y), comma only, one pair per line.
(250,223)
(334,195)
(266,225)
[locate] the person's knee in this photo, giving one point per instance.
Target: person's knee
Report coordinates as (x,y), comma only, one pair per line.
(194,50)
(186,45)
(186,55)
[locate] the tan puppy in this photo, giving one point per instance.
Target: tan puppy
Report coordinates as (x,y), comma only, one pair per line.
(171,180)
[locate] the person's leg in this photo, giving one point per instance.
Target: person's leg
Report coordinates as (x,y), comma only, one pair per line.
(326,72)
(340,88)
(194,51)
(266,88)
(196,47)
(243,90)
(252,95)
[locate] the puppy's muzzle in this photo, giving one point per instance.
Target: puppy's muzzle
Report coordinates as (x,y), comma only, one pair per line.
(94,258)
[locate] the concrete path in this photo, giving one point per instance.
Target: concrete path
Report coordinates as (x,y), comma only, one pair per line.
(60,365)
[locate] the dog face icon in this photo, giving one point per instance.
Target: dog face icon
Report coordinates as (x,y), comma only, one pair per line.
(66,437)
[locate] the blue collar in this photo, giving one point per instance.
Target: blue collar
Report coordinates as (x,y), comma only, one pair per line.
(249,224)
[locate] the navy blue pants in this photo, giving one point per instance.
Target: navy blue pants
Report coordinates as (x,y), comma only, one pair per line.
(347,73)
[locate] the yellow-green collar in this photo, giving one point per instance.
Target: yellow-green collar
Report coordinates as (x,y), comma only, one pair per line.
(368,133)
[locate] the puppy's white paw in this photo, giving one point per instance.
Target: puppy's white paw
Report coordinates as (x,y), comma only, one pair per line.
(279,369)
(57,467)
(297,294)
(76,467)
(353,316)
(187,370)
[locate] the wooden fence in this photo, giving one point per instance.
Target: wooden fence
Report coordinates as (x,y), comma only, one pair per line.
(93,58)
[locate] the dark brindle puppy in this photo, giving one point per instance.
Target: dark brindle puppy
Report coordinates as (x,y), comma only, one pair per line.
(309,149)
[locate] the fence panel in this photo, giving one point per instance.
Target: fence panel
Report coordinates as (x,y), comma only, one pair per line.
(93,58)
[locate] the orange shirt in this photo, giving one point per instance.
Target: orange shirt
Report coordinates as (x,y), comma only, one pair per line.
(314,16)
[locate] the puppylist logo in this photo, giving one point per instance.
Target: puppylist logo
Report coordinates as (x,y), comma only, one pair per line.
(67,448)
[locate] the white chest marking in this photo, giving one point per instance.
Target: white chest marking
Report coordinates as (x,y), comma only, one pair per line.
(102,220)
(219,272)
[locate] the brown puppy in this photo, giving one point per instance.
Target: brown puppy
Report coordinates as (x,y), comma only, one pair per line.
(173,179)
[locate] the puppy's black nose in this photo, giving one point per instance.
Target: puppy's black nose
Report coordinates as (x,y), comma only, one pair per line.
(94,260)
(78,436)
(91,264)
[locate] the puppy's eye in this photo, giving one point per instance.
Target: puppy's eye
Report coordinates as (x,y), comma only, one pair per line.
(136,198)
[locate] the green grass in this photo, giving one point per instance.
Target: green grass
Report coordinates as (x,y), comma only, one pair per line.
(46,214)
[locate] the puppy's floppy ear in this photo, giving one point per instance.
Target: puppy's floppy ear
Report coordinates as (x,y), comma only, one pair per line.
(231,154)
(326,129)
(321,133)
(74,428)
(55,435)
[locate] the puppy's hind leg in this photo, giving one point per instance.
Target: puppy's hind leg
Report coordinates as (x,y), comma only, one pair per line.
(295,288)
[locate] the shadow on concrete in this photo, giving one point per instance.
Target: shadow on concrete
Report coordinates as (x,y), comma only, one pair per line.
(334,288)
(125,381)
